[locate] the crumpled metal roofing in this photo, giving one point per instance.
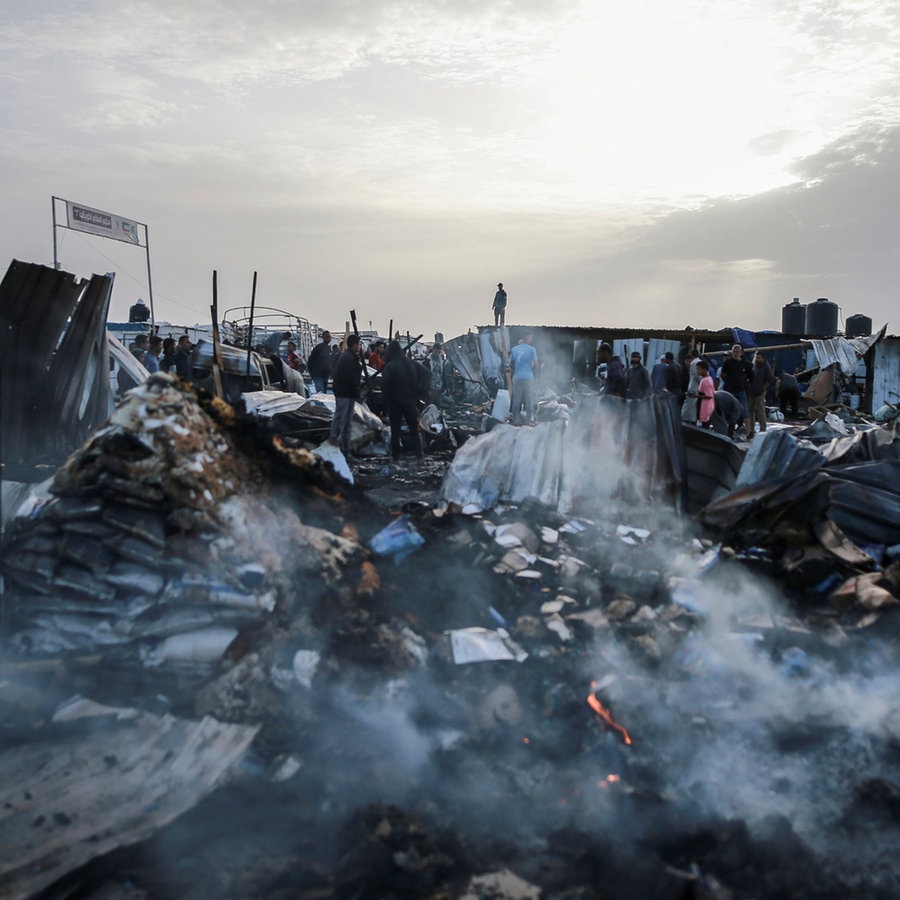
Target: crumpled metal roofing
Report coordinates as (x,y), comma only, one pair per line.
(845,352)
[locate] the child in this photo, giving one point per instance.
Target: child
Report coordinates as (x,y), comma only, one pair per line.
(706,394)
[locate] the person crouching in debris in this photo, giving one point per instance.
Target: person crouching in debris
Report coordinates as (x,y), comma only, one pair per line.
(400,388)
(345,377)
(727,415)
(706,395)
(523,361)
(787,391)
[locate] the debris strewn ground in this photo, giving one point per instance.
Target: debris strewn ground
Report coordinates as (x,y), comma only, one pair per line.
(516,700)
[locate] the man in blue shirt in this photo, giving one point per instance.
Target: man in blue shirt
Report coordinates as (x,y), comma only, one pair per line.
(523,362)
(151,357)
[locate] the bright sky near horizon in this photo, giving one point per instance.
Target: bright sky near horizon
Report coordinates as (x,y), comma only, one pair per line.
(652,164)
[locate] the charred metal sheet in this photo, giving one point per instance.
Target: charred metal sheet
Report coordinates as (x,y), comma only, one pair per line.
(79,794)
(776,454)
(862,501)
(54,369)
(845,353)
(713,462)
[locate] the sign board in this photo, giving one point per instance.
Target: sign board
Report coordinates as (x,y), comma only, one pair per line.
(95,221)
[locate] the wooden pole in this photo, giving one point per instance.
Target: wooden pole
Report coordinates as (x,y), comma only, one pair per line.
(799,346)
(214,309)
(250,328)
(365,368)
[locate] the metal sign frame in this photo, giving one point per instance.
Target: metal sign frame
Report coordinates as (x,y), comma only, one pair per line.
(97,222)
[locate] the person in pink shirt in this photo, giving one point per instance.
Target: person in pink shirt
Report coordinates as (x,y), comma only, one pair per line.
(706,394)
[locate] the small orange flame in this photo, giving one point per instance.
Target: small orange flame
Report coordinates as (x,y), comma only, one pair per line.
(604,714)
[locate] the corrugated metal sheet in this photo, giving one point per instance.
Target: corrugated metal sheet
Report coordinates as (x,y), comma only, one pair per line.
(886,375)
(54,366)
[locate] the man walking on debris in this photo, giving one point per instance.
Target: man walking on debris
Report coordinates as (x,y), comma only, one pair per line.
(760,382)
(345,383)
(399,387)
(499,306)
(735,376)
(319,363)
(523,362)
(637,379)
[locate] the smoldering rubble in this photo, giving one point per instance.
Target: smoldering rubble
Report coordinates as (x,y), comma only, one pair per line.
(549,681)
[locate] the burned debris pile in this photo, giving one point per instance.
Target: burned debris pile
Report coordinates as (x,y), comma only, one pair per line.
(546,686)
(170,531)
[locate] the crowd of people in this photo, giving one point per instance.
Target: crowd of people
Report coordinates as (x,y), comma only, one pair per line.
(732,399)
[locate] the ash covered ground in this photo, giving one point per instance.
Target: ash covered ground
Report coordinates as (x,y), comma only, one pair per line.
(676,717)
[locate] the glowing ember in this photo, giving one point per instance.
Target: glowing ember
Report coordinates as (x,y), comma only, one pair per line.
(604,714)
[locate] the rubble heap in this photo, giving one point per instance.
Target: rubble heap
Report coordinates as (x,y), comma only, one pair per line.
(175,527)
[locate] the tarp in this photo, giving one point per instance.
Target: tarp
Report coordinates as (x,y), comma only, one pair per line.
(608,448)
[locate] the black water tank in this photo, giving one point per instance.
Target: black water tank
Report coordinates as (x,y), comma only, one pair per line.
(858,326)
(138,312)
(793,317)
(822,318)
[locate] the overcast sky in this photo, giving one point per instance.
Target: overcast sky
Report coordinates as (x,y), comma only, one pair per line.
(622,163)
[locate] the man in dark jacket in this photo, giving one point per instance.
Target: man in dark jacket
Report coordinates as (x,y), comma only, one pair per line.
(673,377)
(614,385)
(637,379)
(735,376)
(345,384)
(182,359)
(400,388)
(319,363)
